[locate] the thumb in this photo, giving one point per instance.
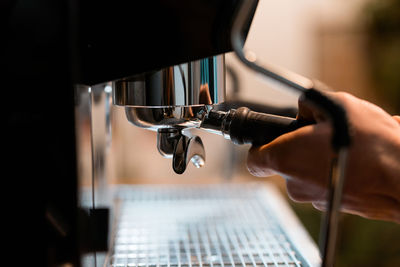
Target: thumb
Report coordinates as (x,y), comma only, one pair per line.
(304,153)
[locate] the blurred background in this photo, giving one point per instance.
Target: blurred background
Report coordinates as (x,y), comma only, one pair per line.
(352,46)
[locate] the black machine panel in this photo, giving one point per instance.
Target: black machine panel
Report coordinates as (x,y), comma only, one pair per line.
(121,38)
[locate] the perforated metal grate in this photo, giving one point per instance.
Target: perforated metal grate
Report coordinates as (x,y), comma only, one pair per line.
(197,226)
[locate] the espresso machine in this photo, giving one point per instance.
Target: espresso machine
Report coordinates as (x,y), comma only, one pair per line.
(163,63)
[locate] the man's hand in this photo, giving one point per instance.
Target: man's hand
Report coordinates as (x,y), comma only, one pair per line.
(303,157)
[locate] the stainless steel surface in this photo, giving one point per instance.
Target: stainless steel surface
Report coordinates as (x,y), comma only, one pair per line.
(183,147)
(93,133)
(93,112)
(200,82)
(152,118)
(225,225)
(166,141)
(100,131)
(188,149)
(218,122)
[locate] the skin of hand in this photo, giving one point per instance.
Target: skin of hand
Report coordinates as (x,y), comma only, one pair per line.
(303,157)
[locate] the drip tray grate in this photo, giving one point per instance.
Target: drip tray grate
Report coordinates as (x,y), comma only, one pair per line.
(198,226)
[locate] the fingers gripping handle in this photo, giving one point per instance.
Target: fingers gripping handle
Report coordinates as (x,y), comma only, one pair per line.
(249,127)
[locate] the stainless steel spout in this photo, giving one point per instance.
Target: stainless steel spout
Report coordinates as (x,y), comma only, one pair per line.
(182,147)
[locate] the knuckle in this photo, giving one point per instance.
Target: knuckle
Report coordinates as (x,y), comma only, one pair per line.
(296,192)
(343,95)
(257,163)
(253,159)
(304,191)
(274,160)
(321,206)
(344,98)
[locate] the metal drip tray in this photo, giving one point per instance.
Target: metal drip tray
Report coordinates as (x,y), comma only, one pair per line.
(211,226)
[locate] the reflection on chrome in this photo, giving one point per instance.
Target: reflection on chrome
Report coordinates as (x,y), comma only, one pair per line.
(200,82)
(167,117)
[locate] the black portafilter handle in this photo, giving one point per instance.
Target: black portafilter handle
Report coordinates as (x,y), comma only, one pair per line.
(249,127)
(243,126)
